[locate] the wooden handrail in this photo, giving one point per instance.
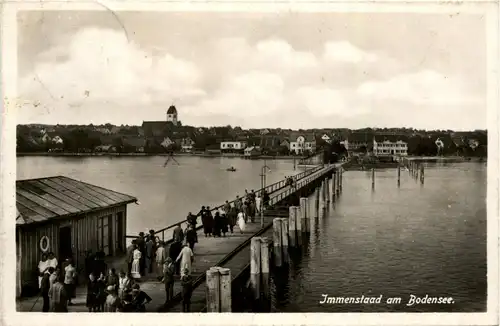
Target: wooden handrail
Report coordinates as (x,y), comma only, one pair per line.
(270,188)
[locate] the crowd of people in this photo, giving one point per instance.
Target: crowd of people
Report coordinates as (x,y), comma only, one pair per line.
(108,291)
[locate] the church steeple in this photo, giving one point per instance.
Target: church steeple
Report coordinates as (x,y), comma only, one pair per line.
(172,115)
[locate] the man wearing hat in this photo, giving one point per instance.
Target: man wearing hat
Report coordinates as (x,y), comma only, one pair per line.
(161,256)
(139,298)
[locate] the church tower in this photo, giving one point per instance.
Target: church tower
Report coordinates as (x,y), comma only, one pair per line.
(172,115)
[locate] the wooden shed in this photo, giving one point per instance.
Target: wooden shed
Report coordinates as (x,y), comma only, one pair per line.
(69,218)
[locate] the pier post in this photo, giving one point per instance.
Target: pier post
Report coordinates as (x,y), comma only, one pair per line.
(422,174)
(341,170)
(327,189)
(292,226)
(213,290)
(298,225)
(304,215)
(284,240)
(255,266)
(338,182)
(264,267)
(373,177)
(318,194)
(277,242)
(334,183)
(225,289)
(399,174)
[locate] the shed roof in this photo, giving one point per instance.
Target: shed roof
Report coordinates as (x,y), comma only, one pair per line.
(40,200)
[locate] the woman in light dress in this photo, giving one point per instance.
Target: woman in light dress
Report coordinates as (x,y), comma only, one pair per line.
(43,266)
(258,202)
(136,264)
(186,258)
(241,221)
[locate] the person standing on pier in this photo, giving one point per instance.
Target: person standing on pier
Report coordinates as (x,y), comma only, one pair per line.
(58,296)
(186,258)
(149,255)
(112,279)
(224,223)
(227,207)
(92,292)
(140,299)
(232,218)
(207,226)
(124,283)
(191,237)
(161,256)
(168,279)
(130,255)
(252,196)
(173,252)
(187,291)
(43,265)
(191,219)
(251,211)
(141,246)
(244,208)
(241,222)
(217,225)
(258,203)
(178,234)
(136,264)
(44,288)
(210,220)
(70,281)
(238,203)
(265,199)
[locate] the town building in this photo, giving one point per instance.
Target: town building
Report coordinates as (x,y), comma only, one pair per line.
(357,141)
(160,129)
(232,146)
(186,145)
(300,144)
(386,145)
(69,218)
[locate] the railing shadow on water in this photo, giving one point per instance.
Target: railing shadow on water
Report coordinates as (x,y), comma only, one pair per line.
(166,234)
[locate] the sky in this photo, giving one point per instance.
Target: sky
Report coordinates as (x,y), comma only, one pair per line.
(254,70)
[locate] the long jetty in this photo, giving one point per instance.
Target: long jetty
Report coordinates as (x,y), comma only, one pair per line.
(214,256)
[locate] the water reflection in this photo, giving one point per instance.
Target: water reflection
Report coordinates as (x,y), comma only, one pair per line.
(395,241)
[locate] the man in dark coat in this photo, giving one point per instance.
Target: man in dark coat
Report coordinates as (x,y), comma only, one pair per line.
(217,225)
(178,234)
(130,255)
(232,218)
(173,252)
(191,236)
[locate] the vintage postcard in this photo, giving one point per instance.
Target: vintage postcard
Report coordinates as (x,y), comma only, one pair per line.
(251,163)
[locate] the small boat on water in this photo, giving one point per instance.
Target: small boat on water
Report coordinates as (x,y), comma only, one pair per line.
(231,169)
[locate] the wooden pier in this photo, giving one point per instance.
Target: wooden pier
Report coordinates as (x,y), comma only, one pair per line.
(232,251)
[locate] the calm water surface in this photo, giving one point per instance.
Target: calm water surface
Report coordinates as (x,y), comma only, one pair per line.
(166,194)
(418,239)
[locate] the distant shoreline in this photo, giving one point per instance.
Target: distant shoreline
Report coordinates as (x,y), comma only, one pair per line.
(62,154)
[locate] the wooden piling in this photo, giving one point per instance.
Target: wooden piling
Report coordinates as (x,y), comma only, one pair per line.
(339,180)
(422,174)
(213,290)
(318,194)
(341,176)
(255,266)
(298,225)
(334,183)
(284,240)
(373,177)
(292,226)
(277,242)
(304,215)
(264,267)
(225,289)
(399,174)
(327,189)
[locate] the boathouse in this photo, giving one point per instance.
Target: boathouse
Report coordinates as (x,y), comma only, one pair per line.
(69,218)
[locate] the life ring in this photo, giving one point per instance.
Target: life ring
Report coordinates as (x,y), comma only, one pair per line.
(44,240)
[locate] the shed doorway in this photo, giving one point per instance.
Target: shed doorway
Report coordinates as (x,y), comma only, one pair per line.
(65,245)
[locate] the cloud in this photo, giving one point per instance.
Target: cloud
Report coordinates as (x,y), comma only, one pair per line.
(233,80)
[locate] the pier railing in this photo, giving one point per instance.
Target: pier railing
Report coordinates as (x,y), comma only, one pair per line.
(304,180)
(166,234)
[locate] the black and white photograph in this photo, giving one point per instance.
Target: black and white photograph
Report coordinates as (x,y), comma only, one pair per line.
(252,161)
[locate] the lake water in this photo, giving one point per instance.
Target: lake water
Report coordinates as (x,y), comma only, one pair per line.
(166,194)
(418,239)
